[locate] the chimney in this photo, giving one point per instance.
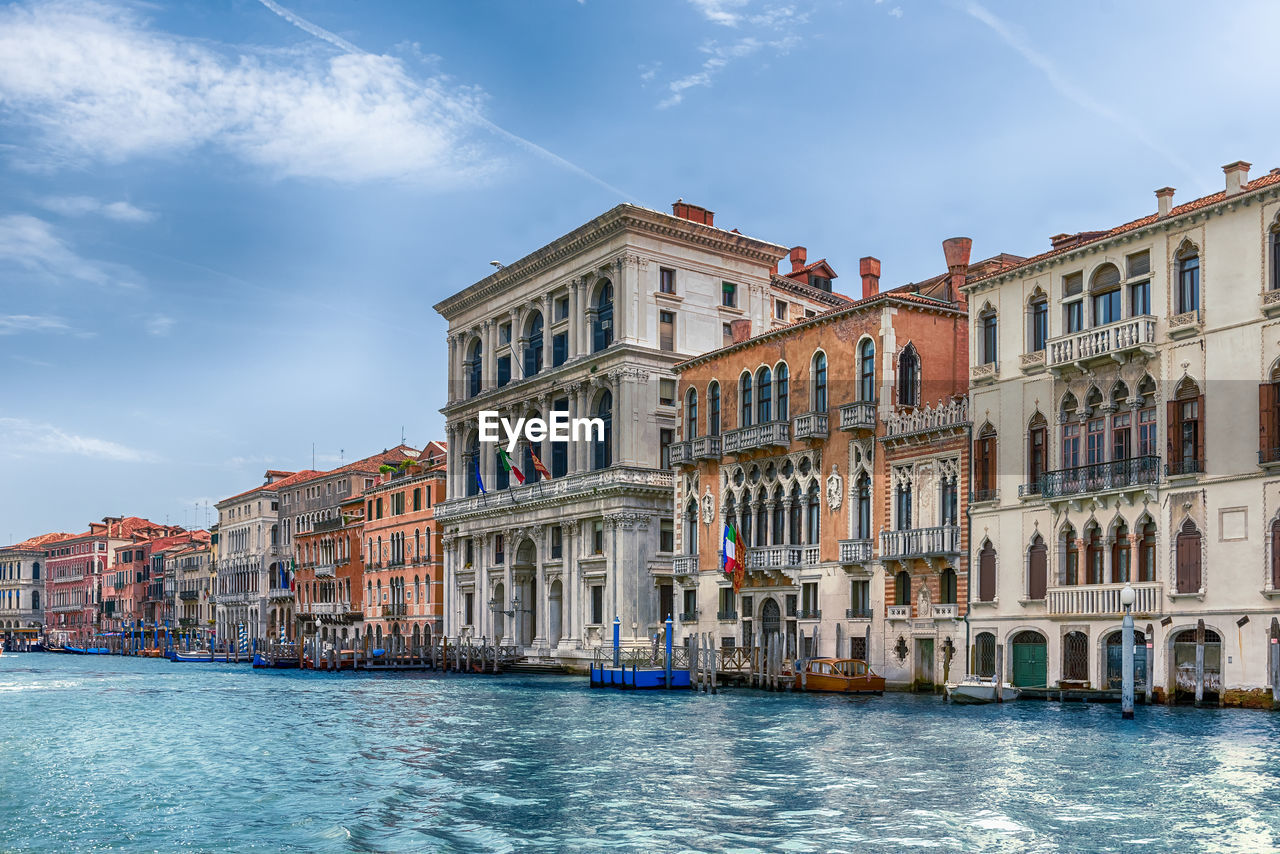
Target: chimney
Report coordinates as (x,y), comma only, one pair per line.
(956,250)
(1237,176)
(1165,196)
(798,255)
(741,329)
(869,267)
(693,213)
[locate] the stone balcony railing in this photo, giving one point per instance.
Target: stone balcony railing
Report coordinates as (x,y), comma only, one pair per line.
(64,609)
(920,542)
(899,612)
(684,565)
(781,557)
(327,609)
(688,452)
(811,425)
(855,551)
(588,482)
(279,593)
(758,436)
(1184,325)
(325,570)
(946,612)
(858,416)
(1032,362)
(947,415)
(1133,334)
(1102,600)
(984,374)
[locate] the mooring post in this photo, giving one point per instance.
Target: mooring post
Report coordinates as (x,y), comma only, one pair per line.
(617,641)
(999,673)
(693,661)
(1149,637)
(1126,649)
(804,678)
(668,626)
(1199,662)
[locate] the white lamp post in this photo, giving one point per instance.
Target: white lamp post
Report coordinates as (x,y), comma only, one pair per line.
(1127,598)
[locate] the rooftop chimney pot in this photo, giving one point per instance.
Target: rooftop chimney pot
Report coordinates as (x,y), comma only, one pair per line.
(741,329)
(956,250)
(1165,197)
(869,268)
(1237,176)
(798,256)
(693,213)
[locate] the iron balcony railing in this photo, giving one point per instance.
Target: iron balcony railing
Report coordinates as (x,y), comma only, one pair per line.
(855,551)
(188,595)
(981,495)
(1182,467)
(1269,456)
(858,416)
(920,542)
(1113,339)
(726,615)
(757,436)
(1028,490)
(397,609)
(857,614)
(689,616)
(811,425)
(1099,477)
(809,614)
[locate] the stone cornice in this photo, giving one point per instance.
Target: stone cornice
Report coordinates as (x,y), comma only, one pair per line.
(620,218)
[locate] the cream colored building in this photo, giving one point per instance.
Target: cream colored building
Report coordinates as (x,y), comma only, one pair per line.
(1123,380)
(189,569)
(592,324)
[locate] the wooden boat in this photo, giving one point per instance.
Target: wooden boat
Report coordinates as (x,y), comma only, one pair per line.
(260,661)
(837,675)
(976,690)
(196,655)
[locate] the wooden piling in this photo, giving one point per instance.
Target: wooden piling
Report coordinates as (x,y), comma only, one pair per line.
(804,679)
(1275,663)
(999,673)
(1199,662)
(1150,638)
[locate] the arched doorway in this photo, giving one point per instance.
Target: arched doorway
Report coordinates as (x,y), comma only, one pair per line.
(770,619)
(1029,655)
(499,618)
(1183,663)
(1115,659)
(526,592)
(555,598)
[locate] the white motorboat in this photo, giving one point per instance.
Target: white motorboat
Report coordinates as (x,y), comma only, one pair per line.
(976,690)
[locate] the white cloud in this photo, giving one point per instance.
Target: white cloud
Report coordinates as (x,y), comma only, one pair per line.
(719,57)
(86,205)
(97,83)
(12,324)
(727,13)
(159,325)
(22,439)
(29,243)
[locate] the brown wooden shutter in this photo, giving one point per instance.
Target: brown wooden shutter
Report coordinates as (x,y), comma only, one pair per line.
(992,450)
(987,574)
(1266,420)
(1201,433)
(1172,433)
(1038,570)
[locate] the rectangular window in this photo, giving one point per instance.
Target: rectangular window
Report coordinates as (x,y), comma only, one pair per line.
(666,536)
(504,370)
(729,294)
(597,537)
(499,549)
(726,604)
(667,330)
(417,498)
(809,597)
(469,551)
(469,603)
(1096,446)
(1120,430)
(559,349)
(1074,316)
(1147,432)
(1106,307)
(504,333)
(726,335)
(667,280)
(378,505)
(562,308)
(860,598)
(557,543)
(667,392)
(1138,264)
(1070,446)
(1139,299)
(665,437)
(690,605)
(780,309)
(597,605)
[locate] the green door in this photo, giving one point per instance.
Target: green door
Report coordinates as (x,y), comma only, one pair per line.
(1030,661)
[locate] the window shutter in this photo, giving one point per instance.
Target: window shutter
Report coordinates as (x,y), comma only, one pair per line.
(987,574)
(1266,419)
(1172,431)
(992,450)
(1203,415)
(1037,571)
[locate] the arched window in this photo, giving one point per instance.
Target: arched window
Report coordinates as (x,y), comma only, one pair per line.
(691,414)
(602,323)
(35,600)
(764,395)
(691,527)
(902,588)
(984,464)
(862,510)
(947,586)
(533,345)
(744,395)
(794,512)
(1037,568)
(1038,319)
(1120,572)
(987,573)
(1188,281)
(778,523)
(527,467)
(819,371)
(475,366)
(902,506)
(812,516)
(1147,552)
(35,572)
(782,377)
(1188,558)
(1093,555)
(1104,294)
(987,320)
(1274,239)
(745,518)
(713,409)
(867,371)
(472,467)
(762,521)
(1037,452)
(1275,555)
(603,456)
(908,377)
(1186,429)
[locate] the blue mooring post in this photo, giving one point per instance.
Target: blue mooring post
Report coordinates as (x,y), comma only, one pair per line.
(168,639)
(668,624)
(617,642)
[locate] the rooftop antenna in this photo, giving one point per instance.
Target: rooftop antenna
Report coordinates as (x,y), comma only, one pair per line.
(341,451)
(401,434)
(313,455)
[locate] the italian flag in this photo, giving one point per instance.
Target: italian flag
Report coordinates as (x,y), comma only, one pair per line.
(733,551)
(505,459)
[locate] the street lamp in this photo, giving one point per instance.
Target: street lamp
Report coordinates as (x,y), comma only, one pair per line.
(1127,598)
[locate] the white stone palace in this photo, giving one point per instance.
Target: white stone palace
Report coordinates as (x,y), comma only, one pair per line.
(592,324)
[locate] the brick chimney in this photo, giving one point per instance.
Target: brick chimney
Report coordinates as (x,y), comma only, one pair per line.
(1165,197)
(1237,176)
(741,329)
(956,250)
(693,213)
(869,267)
(798,256)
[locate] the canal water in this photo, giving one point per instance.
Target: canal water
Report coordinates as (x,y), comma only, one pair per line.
(140,754)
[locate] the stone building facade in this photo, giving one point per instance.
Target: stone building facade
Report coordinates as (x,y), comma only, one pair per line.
(1126,384)
(591,324)
(22,591)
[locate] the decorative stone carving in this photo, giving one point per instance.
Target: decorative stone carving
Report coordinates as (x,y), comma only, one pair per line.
(835,494)
(708,507)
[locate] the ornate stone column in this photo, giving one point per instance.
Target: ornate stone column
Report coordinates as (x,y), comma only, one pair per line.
(575,319)
(540,606)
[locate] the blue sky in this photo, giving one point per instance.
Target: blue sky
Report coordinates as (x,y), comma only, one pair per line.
(223,223)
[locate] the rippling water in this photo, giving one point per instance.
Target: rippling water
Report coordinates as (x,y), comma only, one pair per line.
(146,755)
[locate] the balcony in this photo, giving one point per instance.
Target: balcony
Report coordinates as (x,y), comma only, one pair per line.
(398,609)
(1184,468)
(689,616)
(726,616)
(809,614)
(322,525)
(614,479)
(857,613)
(1112,341)
(984,496)
(688,452)
(188,595)
(684,566)
(187,622)
(1102,600)
(946,612)
(1184,325)
(855,551)
(984,374)
(279,593)
(782,557)
(1032,363)
(920,542)
(1100,477)
(811,425)
(757,437)
(325,570)
(858,416)
(899,612)
(1269,457)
